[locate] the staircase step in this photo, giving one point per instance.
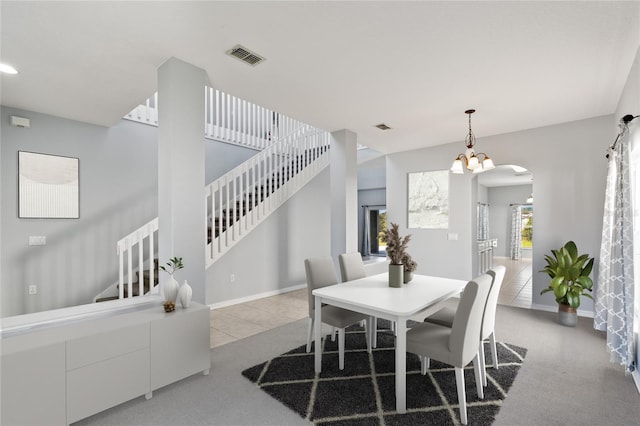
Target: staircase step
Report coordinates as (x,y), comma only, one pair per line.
(106,299)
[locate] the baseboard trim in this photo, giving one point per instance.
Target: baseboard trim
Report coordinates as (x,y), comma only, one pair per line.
(547,308)
(232,302)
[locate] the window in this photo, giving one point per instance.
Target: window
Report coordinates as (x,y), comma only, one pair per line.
(375,222)
(526,241)
(382,225)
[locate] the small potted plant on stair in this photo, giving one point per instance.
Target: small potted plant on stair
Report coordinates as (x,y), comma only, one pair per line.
(570,280)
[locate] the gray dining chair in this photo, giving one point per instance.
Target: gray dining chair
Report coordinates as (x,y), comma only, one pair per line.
(352,268)
(446,316)
(457,345)
(321,273)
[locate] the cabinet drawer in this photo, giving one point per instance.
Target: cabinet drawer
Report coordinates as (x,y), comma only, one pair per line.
(102,385)
(33,387)
(102,346)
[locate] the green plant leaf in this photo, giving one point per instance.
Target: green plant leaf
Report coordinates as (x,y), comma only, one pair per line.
(572,249)
(585,282)
(560,291)
(551,261)
(568,261)
(573,299)
(546,290)
(586,271)
(556,282)
(573,273)
(581,260)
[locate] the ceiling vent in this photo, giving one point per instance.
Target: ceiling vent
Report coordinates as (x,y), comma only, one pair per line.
(245,55)
(382,126)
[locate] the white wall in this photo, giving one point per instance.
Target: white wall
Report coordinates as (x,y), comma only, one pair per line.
(271,258)
(434,253)
(569,169)
(372,181)
(118,193)
(483,194)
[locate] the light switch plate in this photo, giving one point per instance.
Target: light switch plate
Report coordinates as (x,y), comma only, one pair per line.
(452,237)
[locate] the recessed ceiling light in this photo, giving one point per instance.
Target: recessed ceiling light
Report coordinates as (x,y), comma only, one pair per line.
(382,126)
(8,69)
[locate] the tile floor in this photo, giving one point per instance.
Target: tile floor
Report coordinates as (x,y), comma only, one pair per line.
(246,319)
(517,285)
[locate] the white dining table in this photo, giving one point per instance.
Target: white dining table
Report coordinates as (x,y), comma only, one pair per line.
(373,296)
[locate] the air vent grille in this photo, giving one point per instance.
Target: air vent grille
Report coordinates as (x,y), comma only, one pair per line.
(245,55)
(382,126)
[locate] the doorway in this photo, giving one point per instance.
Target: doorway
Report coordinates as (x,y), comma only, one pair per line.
(507,192)
(375,221)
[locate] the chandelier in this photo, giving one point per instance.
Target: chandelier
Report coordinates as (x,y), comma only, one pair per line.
(477,163)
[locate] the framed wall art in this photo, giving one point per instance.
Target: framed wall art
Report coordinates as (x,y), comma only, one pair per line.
(48,186)
(428,200)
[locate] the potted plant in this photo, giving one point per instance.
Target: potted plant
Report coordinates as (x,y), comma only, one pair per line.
(570,280)
(170,287)
(410,265)
(396,251)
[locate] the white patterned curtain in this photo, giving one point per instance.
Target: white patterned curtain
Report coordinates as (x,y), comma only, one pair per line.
(614,307)
(483,221)
(516,232)
(366,237)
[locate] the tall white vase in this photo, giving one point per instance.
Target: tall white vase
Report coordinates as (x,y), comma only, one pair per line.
(184,294)
(170,289)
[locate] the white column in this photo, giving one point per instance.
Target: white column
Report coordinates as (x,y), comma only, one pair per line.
(181,201)
(344,192)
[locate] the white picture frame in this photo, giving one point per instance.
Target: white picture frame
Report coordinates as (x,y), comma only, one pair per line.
(428,199)
(48,186)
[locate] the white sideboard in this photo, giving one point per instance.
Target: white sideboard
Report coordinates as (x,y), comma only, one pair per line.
(63,373)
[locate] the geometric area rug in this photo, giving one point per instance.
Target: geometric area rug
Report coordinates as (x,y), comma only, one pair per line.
(364,392)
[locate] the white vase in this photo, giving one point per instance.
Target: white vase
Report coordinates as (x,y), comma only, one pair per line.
(170,289)
(184,294)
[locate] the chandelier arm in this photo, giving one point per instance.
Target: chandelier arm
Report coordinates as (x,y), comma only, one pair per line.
(462,157)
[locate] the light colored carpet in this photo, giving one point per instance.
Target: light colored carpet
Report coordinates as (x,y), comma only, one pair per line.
(566,380)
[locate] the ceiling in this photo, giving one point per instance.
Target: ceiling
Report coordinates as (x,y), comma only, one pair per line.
(415,66)
(505,175)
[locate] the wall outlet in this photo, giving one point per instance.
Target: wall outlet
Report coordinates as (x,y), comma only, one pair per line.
(232,278)
(33,289)
(37,240)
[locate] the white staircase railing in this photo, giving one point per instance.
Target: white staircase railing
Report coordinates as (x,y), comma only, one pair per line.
(291,154)
(230,119)
(134,244)
(242,198)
